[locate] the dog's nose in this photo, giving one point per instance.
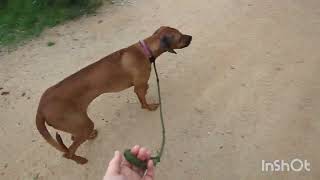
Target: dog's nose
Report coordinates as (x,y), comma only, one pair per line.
(189,39)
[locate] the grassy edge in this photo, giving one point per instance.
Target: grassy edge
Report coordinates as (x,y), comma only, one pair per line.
(21,39)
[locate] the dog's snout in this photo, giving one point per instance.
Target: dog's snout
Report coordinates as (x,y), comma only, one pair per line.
(188,39)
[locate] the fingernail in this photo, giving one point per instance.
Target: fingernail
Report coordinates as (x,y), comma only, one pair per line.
(151,163)
(116,153)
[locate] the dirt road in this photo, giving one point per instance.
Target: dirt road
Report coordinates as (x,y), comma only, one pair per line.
(246,90)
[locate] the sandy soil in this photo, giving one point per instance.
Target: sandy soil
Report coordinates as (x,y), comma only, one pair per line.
(246,90)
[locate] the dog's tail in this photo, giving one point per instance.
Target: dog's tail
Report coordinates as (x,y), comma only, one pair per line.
(40,121)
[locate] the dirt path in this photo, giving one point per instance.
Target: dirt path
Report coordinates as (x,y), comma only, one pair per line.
(246,90)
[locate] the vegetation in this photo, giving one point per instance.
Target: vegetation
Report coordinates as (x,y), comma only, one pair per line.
(23,19)
(50,43)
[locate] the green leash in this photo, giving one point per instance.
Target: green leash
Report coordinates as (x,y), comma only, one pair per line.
(132,159)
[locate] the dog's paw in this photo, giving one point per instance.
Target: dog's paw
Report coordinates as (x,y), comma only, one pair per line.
(93,134)
(80,160)
(153,107)
(77,159)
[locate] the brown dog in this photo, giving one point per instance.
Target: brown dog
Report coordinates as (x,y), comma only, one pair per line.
(64,105)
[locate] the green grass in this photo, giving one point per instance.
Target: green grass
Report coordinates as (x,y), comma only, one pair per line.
(50,43)
(21,20)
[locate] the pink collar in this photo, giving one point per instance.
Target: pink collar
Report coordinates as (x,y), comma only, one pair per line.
(147,51)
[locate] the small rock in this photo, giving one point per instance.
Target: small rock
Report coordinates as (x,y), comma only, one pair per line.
(243,84)
(33,140)
(19,123)
(185,152)
(242,136)
(278,69)
(198,110)
(250,4)
(102,119)
(5,165)
(220,133)
(232,67)
(5,93)
(23,94)
(100,21)
(301,61)
(221,147)
(1,88)
(181,160)
(28,97)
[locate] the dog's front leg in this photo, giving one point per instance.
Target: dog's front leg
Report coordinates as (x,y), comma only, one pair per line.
(141,91)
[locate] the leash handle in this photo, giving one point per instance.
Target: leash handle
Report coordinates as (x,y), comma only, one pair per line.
(132,159)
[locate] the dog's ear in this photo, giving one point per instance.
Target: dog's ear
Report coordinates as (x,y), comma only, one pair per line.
(165,43)
(158,30)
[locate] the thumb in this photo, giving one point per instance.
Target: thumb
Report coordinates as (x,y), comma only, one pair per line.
(114,165)
(150,171)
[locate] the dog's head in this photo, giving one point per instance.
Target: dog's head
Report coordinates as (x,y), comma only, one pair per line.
(171,39)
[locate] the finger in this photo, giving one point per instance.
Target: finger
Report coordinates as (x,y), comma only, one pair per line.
(114,164)
(139,171)
(129,174)
(142,155)
(125,163)
(148,155)
(150,171)
(135,149)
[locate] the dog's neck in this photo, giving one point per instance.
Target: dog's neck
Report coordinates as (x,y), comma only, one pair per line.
(153,44)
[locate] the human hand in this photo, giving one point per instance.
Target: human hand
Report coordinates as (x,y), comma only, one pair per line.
(121,169)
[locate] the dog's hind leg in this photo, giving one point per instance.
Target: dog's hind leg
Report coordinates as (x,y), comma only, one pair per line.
(83,131)
(93,134)
(72,149)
